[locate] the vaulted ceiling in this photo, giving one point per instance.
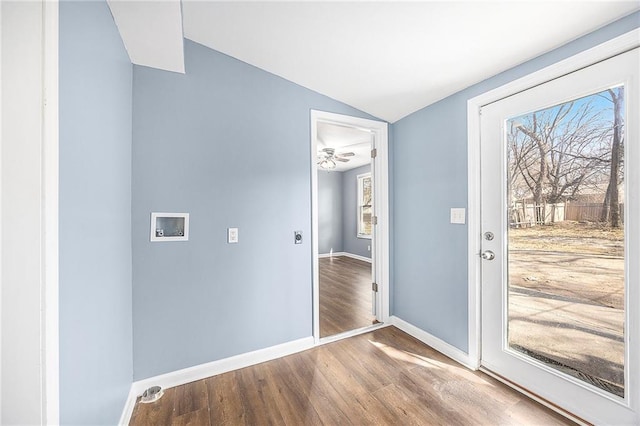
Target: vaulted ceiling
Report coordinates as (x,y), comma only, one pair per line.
(388,59)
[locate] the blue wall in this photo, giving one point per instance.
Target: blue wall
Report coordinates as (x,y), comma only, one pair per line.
(96,366)
(329,212)
(429,163)
(350,242)
(337,213)
(211,143)
(230,144)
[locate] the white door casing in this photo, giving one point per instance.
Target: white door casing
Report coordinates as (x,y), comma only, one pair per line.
(29,212)
(371,174)
(380,246)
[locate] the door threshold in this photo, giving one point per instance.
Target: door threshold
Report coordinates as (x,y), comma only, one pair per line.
(536,397)
(351,333)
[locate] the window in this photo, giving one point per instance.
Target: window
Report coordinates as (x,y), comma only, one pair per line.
(365,205)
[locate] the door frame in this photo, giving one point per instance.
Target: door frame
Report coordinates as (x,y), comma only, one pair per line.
(380,247)
(581,60)
(38,85)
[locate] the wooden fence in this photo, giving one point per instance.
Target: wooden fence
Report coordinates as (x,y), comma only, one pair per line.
(590,212)
(523,214)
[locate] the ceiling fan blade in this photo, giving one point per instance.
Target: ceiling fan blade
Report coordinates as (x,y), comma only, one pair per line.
(346,154)
(344,160)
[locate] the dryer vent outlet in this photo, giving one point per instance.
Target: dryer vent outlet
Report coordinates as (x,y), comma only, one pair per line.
(152,394)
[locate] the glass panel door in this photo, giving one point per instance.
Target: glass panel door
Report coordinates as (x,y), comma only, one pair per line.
(560,202)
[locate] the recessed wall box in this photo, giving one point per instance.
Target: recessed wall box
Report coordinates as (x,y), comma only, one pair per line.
(169,226)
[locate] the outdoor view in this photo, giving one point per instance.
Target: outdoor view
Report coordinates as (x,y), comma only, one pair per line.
(364,205)
(566,237)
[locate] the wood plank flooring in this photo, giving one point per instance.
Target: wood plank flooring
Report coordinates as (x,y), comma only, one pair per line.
(345,295)
(384,377)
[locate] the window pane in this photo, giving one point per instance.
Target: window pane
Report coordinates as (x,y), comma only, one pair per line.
(566,238)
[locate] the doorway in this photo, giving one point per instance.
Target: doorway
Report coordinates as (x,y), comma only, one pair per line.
(350,224)
(559,238)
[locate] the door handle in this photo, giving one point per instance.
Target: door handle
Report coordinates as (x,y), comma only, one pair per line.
(488,255)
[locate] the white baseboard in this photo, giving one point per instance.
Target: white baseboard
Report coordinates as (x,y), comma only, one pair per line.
(436,343)
(202,371)
(129,405)
(345,254)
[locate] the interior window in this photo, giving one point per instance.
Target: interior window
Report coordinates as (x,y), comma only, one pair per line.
(365,207)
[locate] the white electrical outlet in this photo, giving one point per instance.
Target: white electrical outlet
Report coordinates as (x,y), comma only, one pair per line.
(232,235)
(458,215)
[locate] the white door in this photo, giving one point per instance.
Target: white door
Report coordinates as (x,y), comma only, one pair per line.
(560,167)
(366,225)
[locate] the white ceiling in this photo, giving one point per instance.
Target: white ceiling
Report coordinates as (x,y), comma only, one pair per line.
(345,139)
(388,59)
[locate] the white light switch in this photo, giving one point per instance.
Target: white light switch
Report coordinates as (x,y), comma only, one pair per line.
(232,235)
(458,215)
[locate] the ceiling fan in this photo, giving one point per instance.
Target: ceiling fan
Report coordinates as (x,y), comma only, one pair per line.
(327,158)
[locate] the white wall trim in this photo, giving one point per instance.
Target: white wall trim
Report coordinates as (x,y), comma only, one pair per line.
(583,59)
(202,371)
(129,406)
(29,133)
(381,251)
(315,267)
(380,169)
(345,254)
(435,342)
(1,210)
(50,148)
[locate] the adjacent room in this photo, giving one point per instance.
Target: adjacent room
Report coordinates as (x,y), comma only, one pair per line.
(319,212)
(345,229)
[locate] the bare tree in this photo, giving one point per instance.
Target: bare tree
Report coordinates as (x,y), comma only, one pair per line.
(578,153)
(531,153)
(611,203)
(556,152)
(522,158)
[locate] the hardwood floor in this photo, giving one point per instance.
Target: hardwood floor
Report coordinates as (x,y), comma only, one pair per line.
(345,295)
(384,377)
